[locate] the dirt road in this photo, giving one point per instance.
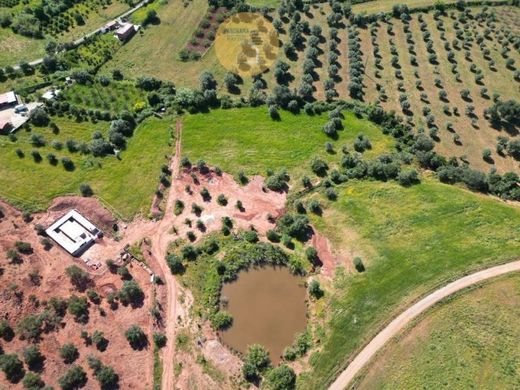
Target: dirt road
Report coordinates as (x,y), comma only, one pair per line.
(159,248)
(412,312)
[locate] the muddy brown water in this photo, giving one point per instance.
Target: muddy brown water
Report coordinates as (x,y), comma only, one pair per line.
(268,308)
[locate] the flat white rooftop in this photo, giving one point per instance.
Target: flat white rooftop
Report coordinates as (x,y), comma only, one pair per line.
(73,232)
(8,98)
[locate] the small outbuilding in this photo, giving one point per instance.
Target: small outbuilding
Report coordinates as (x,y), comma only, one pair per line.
(74,233)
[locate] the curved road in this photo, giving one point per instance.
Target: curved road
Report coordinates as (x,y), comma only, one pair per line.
(412,312)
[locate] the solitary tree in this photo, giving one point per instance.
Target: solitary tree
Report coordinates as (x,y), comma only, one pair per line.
(281,378)
(69,353)
(73,379)
(136,337)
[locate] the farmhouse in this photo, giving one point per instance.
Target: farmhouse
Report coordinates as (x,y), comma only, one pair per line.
(126,30)
(8,100)
(74,233)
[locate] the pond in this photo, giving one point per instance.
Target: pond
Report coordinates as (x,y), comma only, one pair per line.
(268,308)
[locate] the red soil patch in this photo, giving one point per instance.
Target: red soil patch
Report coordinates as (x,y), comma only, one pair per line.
(133,367)
(257,203)
(329,259)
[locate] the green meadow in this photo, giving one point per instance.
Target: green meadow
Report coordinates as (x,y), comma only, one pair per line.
(472,338)
(126,184)
(248,139)
(411,240)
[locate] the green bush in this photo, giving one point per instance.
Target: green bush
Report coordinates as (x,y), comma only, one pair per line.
(221,320)
(358,264)
(69,353)
(74,378)
(136,337)
(12,367)
(281,378)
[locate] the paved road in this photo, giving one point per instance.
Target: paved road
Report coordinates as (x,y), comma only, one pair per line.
(79,41)
(412,312)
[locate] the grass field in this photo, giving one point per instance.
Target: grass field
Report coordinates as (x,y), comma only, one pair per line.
(411,240)
(17,48)
(248,139)
(472,339)
(127,184)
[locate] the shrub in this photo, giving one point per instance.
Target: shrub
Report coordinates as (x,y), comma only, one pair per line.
(319,166)
(331,193)
(78,277)
(74,378)
(12,367)
(85,190)
(312,255)
(136,337)
(99,340)
(6,332)
(315,289)
(250,236)
(256,362)
(32,381)
(206,196)
(107,377)
(273,236)
(39,117)
(131,293)
(408,177)
(78,307)
(315,207)
(281,378)
(23,247)
(277,181)
(69,353)
(358,264)
(159,339)
(242,178)
(33,357)
(221,320)
(175,264)
(179,207)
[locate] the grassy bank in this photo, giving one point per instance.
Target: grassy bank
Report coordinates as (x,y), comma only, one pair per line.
(17,48)
(471,338)
(411,240)
(127,184)
(248,139)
